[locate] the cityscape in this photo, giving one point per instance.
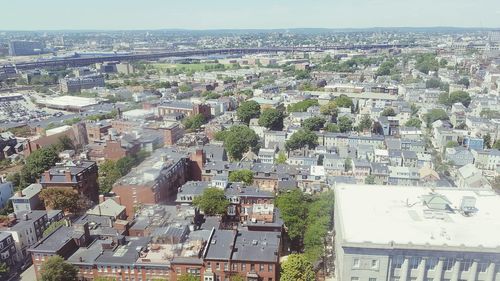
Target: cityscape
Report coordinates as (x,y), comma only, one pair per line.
(198,148)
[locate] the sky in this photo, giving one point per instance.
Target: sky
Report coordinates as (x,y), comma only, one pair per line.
(244,14)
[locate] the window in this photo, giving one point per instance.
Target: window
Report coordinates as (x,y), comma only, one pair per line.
(354,278)
(270,268)
(397,261)
(448,264)
(261,267)
(243,266)
(372,279)
(355,263)
(482,267)
(252,267)
(431,263)
(374,265)
(217,266)
(465,265)
(415,262)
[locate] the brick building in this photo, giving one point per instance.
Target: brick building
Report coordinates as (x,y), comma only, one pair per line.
(80,176)
(187,108)
(172,133)
(154,181)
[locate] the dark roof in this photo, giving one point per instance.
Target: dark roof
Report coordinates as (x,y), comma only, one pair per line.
(257,246)
(220,245)
(128,253)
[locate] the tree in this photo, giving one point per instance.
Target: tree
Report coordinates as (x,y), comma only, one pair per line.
(248,110)
(65,143)
(365,123)
(388,111)
(454,97)
(4,269)
(464,81)
(272,119)
(38,162)
(433,83)
(237,278)
(53,226)
(300,139)
(496,145)
(370,179)
(451,144)
(212,201)
(426,63)
(332,128)
(330,109)
(487,140)
(344,101)
(60,199)
(345,124)
(238,140)
(319,221)
(187,277)
(302,106)
(348,164)
(245,176)
(293,210)
(108,175)
(56,268)
(194,122)
(313,123)
(281,159)
(297,268)
(434,115)
(414,122)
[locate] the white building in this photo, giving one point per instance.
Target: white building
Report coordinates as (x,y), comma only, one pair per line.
(416,234)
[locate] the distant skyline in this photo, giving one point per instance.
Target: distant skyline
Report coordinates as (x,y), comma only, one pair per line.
(237,14)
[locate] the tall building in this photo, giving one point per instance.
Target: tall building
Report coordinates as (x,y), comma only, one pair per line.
(76,84)
(80,176)
(417,234)
(25,48)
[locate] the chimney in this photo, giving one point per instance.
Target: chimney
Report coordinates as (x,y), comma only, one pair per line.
(46,175)
(67,175)
(101,198)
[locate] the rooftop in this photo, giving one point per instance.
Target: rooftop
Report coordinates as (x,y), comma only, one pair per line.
(401,216)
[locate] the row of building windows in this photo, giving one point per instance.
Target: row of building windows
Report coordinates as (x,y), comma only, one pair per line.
(235,266)
(431,263)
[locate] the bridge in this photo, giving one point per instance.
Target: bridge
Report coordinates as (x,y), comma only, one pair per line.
(83,61)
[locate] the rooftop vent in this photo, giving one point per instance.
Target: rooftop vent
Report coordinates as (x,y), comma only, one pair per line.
(468,205)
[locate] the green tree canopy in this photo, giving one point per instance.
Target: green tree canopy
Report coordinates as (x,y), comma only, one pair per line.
(108,175)
(345,124)
(434,115)
(457,96)
(194,122)
(245,176)
(388,111)
(413,122)
(300,139)
(314,123)
(302,106)
(212,201)
(38,162)
(370,179)
(332,128)
(238,140)
(365,123)
(188,277)
(248,110)
(297,268)
(281,158)
(272,119)
(56,268)
(293,209)
(344,101)
(330,109)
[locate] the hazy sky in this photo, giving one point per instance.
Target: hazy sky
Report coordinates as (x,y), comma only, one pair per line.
(229,14)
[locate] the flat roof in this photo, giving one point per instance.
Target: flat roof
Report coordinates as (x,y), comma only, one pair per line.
(72,101)
(397,215)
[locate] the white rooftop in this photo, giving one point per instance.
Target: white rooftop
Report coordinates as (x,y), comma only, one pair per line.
(73,101)
(397,215)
